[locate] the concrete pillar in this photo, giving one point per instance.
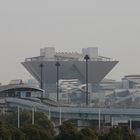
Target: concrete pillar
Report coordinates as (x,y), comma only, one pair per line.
(18,117)
(49,117)
(99,119)
(112,121)
(33,116)
(60,121)
(130,124)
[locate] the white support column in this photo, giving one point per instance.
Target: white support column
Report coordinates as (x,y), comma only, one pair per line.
(33,116)
(49,117)
(60,121)
(112,121)
(99,119)
(3,110)
(130,125)
(18,117)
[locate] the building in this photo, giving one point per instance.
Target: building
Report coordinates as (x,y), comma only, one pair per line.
(131,81)
(18,89)
(72,66)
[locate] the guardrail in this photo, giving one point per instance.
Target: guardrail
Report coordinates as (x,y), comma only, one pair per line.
(74,112)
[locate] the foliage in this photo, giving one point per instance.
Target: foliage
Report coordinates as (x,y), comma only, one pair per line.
(68,131)
(10,133)
(5,133)
(12,118)
(120,133)
(35,132)
(88,134)
(44,130)
(25,118)
(42,120)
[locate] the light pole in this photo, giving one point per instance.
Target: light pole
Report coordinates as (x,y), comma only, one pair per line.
(86,58)
(41,75)
(57,79)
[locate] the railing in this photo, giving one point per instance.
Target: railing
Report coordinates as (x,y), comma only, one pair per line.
(74,110)
(63,58)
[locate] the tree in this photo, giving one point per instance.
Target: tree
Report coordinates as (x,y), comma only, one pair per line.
(42,120)
(68,131)
(120,133)
(127,134)
(35,132)
(25,118)
(5,134)
(17,134)
(8,132)
(12,118)
(88,134)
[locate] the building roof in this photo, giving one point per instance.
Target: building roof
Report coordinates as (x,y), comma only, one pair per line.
(19,86)
(132,78)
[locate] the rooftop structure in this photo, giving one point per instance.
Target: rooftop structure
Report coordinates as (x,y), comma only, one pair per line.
(49,54)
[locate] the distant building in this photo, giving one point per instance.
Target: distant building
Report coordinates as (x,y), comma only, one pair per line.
(72,66)
(131,81)
(18,89)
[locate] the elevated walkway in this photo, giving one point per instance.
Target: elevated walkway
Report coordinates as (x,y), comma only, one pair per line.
(81,113)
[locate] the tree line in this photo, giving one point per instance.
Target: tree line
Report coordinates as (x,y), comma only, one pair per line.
(43,129)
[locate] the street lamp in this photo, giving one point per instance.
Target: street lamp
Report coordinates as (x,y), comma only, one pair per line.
(57,64)
(41,75)
(86,58)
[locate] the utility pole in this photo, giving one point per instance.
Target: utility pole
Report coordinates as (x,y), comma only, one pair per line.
(41,75)
(57,79)
(86,58)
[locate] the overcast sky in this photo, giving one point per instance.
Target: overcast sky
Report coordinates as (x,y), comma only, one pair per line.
(69,25)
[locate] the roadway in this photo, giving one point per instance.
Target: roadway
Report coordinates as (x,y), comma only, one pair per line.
(82,113)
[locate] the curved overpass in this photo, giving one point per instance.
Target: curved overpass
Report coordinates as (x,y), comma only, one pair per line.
(82,113)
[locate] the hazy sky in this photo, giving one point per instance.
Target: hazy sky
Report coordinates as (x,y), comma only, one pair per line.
(69,25)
